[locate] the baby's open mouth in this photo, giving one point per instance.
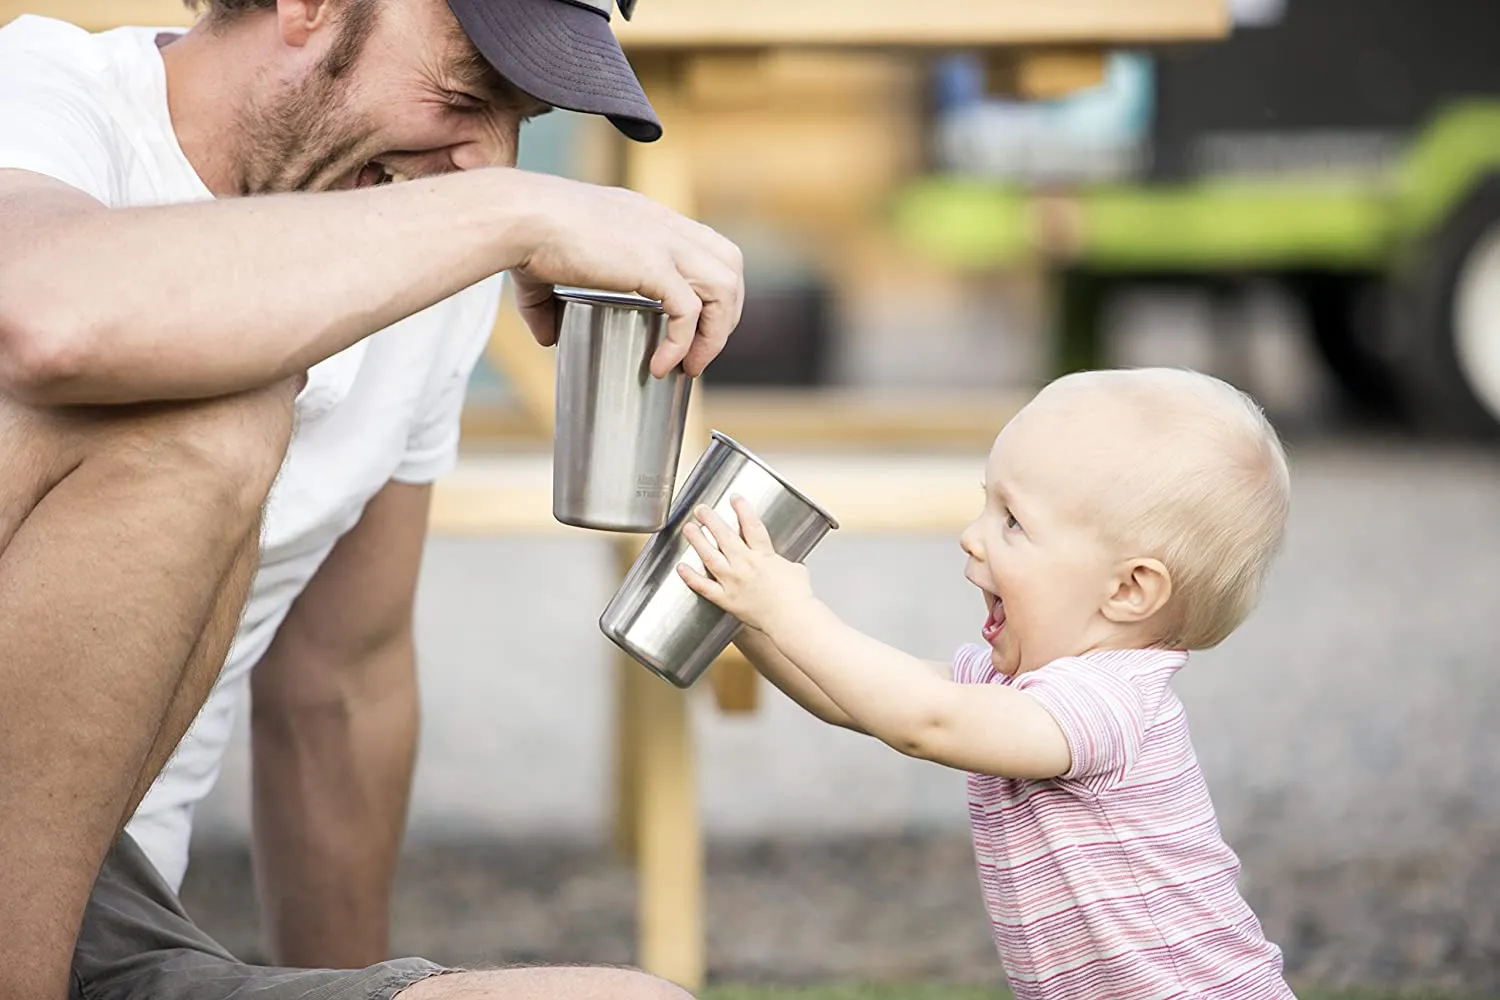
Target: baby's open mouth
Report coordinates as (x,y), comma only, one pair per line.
(994,624)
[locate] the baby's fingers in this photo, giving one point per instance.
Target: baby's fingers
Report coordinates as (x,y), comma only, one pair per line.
(700,584)
(751,526)
(728,538)
(713,559)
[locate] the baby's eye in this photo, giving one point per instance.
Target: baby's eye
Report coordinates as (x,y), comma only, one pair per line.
(1011,524)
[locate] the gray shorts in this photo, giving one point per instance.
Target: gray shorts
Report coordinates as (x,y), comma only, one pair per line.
(138,944)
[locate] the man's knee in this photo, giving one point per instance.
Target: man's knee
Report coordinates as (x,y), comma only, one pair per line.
(644,986)
(220,454)
(582,983)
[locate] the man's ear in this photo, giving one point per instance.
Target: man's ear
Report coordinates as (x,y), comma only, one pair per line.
(1140,589)
(299,20)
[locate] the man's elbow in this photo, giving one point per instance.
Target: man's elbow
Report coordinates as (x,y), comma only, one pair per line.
(43,351)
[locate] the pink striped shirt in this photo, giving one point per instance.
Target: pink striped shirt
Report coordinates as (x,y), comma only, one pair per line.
(1112,881)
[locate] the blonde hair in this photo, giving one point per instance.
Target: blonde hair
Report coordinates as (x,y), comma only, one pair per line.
(1207,493)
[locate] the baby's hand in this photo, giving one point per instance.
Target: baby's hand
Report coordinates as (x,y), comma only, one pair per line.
(748,579)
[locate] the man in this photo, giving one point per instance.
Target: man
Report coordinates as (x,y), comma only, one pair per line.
(210,284)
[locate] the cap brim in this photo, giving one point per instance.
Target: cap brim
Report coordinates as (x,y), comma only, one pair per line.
(561,53)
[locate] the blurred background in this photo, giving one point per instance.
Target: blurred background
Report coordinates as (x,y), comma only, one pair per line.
(1309,208)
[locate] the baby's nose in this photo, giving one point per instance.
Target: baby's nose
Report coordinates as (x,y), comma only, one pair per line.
(968,541)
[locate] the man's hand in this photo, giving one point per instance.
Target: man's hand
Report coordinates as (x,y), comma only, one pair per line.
(620,241)
(748,579)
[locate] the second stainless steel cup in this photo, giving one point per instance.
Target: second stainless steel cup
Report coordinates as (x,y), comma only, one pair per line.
(618,431)
(653,615)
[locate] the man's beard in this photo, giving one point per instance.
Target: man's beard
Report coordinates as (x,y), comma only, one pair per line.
(306,135)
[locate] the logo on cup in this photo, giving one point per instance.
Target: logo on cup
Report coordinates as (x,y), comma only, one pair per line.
(651,484)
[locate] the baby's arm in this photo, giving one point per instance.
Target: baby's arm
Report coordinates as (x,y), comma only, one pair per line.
(909,704)
(784,675)
(789,679)
(905,703)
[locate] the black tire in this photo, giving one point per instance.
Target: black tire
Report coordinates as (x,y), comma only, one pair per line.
(1080,298)
(1448,357)
(1346,314)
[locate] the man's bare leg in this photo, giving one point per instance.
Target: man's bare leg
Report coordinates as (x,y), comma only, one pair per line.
(203,665)
(561,983)
(118,532)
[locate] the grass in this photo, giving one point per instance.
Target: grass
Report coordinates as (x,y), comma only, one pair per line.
(856,993)
(916,992)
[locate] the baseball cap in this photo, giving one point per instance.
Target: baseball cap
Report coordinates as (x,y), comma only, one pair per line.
(562,52)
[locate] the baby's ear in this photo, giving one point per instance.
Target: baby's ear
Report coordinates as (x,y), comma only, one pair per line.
(1140,589)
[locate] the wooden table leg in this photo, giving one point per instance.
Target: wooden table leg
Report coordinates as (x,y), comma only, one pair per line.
(657,821)
(627,737)
(657,793)
(736,684)
(662,775)
(669,838)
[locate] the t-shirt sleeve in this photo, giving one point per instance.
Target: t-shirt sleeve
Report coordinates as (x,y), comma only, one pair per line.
(51,122)
(1101,713)
(432,445)
(973,664)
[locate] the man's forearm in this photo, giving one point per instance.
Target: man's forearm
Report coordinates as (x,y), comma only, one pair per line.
(204,299)
(332,777)
(786,677)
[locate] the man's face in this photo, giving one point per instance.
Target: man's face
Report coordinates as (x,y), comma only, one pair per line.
(393,90)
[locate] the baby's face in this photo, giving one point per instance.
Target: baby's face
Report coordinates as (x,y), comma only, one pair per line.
(1035,551)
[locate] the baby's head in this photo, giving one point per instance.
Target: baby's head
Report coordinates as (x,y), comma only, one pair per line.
(1126,509)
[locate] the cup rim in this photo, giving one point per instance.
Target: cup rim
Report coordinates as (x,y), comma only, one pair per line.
(833,522)
(628,300)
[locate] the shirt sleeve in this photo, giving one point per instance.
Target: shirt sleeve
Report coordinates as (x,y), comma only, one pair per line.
(51,122)
(1101,713)
(972,664)
(432,445)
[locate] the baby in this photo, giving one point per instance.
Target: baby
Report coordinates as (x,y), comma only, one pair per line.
(1129,517)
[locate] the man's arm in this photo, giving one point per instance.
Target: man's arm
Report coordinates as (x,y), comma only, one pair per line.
(101,305)
(334,734)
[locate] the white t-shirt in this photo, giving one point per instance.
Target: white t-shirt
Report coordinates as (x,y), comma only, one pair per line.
(91,110)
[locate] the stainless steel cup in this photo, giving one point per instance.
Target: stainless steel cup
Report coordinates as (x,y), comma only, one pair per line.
(653,615)
(618,431)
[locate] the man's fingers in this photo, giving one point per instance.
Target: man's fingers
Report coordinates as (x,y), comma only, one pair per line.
(542,322)
(714,267)
(714,242)
(683,308)
(537,307)
(723,297)
(619,240)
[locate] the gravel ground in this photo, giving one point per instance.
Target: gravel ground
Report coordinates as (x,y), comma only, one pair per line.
(1347,733)
(888,910)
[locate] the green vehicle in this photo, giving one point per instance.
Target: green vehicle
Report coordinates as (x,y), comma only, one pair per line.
(1348,149)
